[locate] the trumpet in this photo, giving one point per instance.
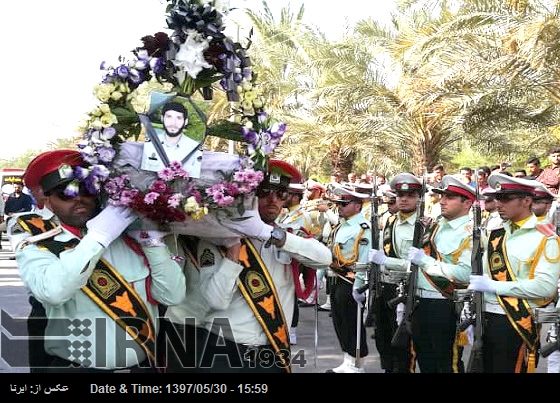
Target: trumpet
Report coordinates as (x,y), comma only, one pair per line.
(312,205)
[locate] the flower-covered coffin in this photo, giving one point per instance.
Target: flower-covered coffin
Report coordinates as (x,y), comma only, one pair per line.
(192,60)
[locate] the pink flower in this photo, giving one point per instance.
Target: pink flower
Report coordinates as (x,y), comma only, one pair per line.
(166,174)
(158,186)
(175,200)
(151,197)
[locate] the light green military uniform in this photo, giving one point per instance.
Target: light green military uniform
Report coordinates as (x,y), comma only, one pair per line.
(57,281)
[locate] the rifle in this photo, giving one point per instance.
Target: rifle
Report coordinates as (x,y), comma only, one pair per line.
(374,280)
(548,315)
(476,363)
(403,334)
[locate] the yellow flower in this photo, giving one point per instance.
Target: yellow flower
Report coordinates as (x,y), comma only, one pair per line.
(108,119)
(103,91)
(105,108)
(258,103)
(250,95)
(247,86)
(96,124)
(116,96)
(191,205)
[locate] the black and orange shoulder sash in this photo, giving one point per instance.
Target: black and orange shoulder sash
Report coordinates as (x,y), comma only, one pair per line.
(388,247)
(517,310)
(257,287)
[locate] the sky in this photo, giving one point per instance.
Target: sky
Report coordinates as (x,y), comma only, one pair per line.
(52,51)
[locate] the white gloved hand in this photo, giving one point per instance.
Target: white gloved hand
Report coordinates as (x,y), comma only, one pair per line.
(416,255)
(108,225)
(377,256)
(482,283)
(249,224)
(358,296)
(145,237)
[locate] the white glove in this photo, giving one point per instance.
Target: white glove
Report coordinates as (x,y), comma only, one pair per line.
(482,283)
(249,224)
(148,237)
(416,255)
(108,225)
(358,296)
(377,256)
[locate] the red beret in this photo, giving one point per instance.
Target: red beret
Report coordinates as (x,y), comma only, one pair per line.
(38,170)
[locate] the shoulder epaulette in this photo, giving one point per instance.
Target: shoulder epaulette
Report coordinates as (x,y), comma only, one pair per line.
(38,227)
(35,224)
(546,229)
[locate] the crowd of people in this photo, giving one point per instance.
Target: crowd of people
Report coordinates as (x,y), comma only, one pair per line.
(392,252)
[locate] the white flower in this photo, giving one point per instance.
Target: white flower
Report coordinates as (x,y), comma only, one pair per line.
(190,57)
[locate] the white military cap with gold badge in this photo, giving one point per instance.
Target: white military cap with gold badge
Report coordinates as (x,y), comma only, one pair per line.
(505,184)
(405,182)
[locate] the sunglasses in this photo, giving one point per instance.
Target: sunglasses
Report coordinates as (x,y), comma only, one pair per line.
(59,193)
(342,202)
(391,202)
(508,198)
(280,194)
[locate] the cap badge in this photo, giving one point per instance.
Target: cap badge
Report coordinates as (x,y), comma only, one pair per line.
(274,178)
(65,171)
(404,186)
(498,186)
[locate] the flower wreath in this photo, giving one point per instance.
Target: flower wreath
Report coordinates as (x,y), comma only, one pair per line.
(196,55)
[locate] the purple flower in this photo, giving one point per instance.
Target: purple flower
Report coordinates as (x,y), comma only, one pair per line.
(100,171)
(122,71)
(141,64)
(249,135)
(81,173)
(72,189)
(92,185)
(157,65)
(135,77)
(106,154)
